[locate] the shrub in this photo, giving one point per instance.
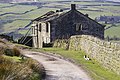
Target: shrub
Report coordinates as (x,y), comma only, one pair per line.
(11,52)
(10,70)
(36,67)
(8,52)
(16,51)
(27,70)
(1,50)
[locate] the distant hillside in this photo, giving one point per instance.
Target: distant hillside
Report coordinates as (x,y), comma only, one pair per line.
(15,18)
(19,1)
(97,0)
(5,1)
(16,1)
(114,0)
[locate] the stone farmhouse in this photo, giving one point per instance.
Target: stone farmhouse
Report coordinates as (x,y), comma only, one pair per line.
(62,25)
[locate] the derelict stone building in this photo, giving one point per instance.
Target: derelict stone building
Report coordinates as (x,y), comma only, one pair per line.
(60,25)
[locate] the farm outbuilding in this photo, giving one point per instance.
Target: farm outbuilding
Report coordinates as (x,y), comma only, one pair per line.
(62,25)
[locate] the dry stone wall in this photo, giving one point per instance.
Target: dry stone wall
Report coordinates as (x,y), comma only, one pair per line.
(106,53)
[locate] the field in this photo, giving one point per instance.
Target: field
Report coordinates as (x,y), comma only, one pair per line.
(15,16)
(113,31)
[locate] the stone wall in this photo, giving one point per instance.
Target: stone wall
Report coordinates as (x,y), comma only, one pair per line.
(106,53)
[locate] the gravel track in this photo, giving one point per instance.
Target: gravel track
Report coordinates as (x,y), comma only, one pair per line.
(58,69)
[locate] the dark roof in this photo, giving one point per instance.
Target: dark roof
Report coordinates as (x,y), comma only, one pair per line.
(51,15)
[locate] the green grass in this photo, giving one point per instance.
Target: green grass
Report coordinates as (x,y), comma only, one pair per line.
(22,31)
(91,3)
(58,4)
(17,9)
(93,68)
(15,58)
(111,7)
(50,0)
(4,4)
(113,31)
(15,25)
(94,14)
(37,13)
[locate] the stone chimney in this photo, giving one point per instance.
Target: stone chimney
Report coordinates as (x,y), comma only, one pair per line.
(73,7)
(86,15)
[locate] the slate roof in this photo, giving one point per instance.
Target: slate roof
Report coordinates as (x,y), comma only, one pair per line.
(51,15)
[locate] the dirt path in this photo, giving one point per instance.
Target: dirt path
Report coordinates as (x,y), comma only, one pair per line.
(58,69)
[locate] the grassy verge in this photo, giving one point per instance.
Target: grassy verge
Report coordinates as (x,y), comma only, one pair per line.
(14,66)
(15,58)
(93,68)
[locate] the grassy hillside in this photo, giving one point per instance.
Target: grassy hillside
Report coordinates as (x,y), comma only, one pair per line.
(15,16)
(113,31)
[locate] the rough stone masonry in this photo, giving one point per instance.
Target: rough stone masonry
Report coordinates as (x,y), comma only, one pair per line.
(106,53)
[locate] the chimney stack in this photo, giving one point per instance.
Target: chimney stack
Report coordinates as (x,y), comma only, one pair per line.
(86,15)
(73,7)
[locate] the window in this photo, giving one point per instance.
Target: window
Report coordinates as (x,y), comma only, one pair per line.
(47,27)
(78,27)
(40,27)
(85,27)
(34,29)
